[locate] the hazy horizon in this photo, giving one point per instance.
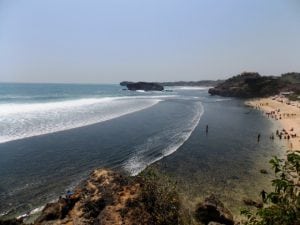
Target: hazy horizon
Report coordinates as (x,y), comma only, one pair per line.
(118,82)
(94,42)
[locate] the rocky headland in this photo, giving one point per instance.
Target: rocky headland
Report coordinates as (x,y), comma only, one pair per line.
(109,198)
(144,86)
(159,86)
(252,85)
(201,83)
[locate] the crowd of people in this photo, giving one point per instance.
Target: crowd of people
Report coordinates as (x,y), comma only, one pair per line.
(280,113)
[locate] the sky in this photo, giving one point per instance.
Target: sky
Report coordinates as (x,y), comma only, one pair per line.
(97,41)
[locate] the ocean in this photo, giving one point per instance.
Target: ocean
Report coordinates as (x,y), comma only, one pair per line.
(53,135)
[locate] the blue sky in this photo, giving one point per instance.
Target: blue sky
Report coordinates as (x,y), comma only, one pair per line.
(94,41)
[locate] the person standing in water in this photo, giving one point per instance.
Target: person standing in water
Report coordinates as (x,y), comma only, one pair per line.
(258,137)
(206,129)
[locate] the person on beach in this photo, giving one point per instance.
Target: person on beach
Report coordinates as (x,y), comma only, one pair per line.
(69,194)
(258,137)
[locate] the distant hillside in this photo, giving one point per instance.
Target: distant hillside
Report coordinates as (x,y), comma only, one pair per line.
(252,84)
(293,78)
(204,83)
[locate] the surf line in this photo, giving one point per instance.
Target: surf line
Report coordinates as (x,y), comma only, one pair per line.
(46,127)
(167,151)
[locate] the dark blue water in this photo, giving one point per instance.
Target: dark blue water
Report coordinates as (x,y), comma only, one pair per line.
(52,136)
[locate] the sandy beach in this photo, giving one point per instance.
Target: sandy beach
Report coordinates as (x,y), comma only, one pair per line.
(286,113)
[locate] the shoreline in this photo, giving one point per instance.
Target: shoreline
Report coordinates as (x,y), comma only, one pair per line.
(201,137)
(284,113)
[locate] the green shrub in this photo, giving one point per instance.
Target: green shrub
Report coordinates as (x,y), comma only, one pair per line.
(160,197)
(282,205)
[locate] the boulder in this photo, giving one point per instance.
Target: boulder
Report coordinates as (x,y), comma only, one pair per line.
(263,171)
(213,210)
(250,202)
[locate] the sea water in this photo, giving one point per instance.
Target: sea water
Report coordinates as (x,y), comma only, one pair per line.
(53,135)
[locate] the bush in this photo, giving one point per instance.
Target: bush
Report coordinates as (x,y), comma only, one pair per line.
(160,197)
(281,206)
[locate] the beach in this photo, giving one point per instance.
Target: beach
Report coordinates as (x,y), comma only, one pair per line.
(286,114)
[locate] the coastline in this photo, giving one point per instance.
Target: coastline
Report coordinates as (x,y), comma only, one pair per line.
(284,113)
(236,157)
(197,171)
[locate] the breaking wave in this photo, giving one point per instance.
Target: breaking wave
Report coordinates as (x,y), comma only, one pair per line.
(18,121)
(149,152)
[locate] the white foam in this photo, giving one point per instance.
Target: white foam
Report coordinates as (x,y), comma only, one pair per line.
(22,216)
(19,121)
(223,99)
(4,213)
(36,210)
(8,109)
(138,162)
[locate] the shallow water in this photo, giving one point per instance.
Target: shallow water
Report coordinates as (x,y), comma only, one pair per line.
(225,162)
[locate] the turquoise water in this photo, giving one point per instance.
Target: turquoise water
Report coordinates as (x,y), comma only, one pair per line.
(53,135)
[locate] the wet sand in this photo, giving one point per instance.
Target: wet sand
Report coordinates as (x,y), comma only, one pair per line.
(286,113)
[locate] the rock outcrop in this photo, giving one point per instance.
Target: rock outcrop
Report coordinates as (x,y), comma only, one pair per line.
(124,83)
(251,202)
(145,86)
(105,198)
(212,211)
(248,85)
(160,85)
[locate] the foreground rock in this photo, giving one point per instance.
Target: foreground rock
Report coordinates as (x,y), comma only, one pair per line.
(103,199)
(108,198)
(251,202)
(212,211)
(144,86)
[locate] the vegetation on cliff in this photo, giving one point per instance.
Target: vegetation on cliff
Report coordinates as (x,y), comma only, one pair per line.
(281,206)
(108,198)
(202,83)
(251,84)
